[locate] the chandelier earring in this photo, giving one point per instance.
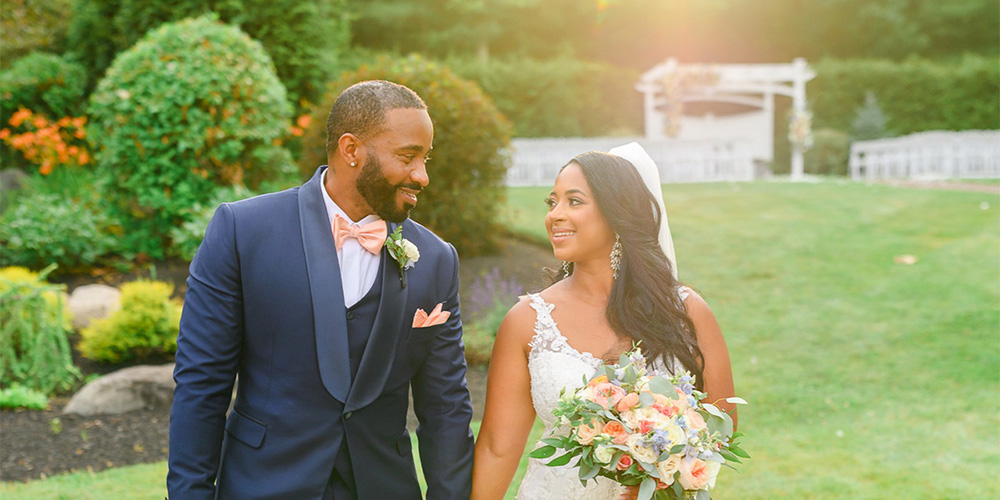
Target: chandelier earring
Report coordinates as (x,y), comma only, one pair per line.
(616,256)
(565,268)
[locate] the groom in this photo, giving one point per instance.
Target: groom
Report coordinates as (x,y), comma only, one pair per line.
(328,326)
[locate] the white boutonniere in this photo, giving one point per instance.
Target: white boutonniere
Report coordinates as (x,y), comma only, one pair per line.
(403,251)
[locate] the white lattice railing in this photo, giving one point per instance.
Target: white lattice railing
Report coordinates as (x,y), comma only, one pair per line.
(536,162)
(928,155)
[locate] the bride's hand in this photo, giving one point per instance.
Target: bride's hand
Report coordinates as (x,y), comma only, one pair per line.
(630,493)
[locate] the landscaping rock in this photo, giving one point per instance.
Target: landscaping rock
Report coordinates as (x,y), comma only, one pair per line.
(90,302)
(128,389)
(11,181)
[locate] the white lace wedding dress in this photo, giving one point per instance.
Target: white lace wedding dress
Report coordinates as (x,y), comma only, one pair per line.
(553,365)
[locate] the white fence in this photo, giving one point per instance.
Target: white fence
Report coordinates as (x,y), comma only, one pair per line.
(536,162)
(928,155)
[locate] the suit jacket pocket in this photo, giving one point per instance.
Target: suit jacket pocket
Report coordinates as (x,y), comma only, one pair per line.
(245,429)
(422,334)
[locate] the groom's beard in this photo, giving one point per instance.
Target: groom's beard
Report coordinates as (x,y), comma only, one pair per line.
(380,194)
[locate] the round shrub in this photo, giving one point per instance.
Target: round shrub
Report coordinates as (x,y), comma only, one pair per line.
(468,165)
(192,106)
(34,331)
(146,325)
(829,153)
(45,228)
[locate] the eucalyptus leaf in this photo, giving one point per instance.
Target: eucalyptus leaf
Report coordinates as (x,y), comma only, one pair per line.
(647,488)
(662,386)
(702,495)
(737,401)
(713,410)
(557,442)
(646,399)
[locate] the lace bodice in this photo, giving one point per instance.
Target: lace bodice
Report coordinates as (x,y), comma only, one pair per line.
(553,365)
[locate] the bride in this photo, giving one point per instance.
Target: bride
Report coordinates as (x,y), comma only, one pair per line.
(617,286)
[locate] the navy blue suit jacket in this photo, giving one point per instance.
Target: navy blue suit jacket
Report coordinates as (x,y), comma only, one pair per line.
(265,302)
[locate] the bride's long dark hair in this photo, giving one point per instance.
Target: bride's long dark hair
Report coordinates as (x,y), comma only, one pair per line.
(644,304)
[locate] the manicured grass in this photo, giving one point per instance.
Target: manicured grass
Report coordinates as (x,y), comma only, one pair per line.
(867,378)
(146,481)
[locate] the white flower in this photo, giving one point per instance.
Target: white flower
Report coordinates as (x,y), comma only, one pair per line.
(604,454)
(667,468)
(411,251)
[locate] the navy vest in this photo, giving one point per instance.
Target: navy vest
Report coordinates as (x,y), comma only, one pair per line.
(360,318)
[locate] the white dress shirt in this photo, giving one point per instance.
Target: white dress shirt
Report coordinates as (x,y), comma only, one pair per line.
(358,267)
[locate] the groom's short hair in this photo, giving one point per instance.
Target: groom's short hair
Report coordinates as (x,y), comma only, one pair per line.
(360,109)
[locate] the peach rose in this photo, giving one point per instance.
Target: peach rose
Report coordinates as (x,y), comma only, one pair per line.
(694,420)
(608,395)
(585,434)
(697,474)
(624,462)
(603,379)
(617,432)
(631,400)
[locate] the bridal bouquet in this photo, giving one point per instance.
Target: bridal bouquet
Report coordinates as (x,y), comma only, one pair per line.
(639,429)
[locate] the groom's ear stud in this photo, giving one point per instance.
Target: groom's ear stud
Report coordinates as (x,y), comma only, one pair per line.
(353,164)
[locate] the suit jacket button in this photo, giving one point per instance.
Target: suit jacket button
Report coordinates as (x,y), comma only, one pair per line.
(350,315)
(347,415)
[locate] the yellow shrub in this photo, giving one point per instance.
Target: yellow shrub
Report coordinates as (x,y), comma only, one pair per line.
(146,325)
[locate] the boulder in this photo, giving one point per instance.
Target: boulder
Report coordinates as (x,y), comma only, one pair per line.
(133,388)
(90,302)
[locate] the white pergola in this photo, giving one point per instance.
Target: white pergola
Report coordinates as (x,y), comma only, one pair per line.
(752,85)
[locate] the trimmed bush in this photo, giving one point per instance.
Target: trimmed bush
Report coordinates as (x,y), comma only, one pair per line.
(187,237)
(462,202)
(829,153)
(146,325)
(193,106)
(34,331)
(915,95)
(562,97)
(304,39)
(45,228)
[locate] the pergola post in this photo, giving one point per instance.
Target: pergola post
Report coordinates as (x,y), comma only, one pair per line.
(799,107)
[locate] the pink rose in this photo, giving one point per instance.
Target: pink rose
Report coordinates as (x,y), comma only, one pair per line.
(694,420)
(624,462)
(608,395)
(631,400)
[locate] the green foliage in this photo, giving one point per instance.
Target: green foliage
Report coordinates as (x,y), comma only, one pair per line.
(30,26)
(192,106)
(304,39)
(468,167)
(186,238)
(45,228)
(19,396)
(915,95)
(146,325)
(869,120)
(560,97)
(829,153)
(34,327)
(44,83)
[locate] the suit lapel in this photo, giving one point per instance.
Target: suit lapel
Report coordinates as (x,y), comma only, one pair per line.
(323,272)
(386,329)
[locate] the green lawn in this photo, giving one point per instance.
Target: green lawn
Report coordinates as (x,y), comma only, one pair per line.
(867,379)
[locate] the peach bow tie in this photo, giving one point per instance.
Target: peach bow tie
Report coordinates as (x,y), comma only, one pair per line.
(371,236)
(422,320)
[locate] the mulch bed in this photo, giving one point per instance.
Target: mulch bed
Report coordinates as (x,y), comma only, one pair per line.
(39,444)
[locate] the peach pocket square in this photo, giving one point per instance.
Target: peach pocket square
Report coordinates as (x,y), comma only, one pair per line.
(422,320)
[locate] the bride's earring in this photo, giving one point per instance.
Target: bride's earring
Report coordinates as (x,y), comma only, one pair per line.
(616,256)
(565,268)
